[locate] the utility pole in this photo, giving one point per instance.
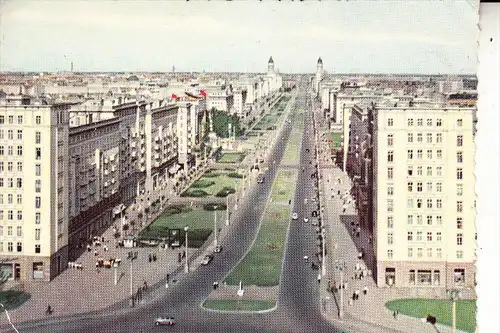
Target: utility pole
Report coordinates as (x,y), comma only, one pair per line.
(454,296)
(186,263)
(227,209)
(323,267)
(215,226)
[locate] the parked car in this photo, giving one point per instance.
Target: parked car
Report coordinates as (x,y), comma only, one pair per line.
(218,249)
(207,259)
(314,213)
(306,220)
(260,179)
(165,320)
(295,216)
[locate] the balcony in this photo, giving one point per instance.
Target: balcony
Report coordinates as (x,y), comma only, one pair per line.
(106,184)
(143,168)
(113,168)
(134,134)
(133,154)
(157,156)
(112,158)
(106,161)
(106,172)
(143,160)
(157,139)
(112,181)
(133,144)
(157,147)
(157,164)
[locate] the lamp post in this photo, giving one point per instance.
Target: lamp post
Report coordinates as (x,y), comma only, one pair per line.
(186,266)
(227,209)
(454,295)
(215,225)
(323,261)
(341,266)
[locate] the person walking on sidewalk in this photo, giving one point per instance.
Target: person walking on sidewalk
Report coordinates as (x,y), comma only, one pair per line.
(319,278)
(365,290)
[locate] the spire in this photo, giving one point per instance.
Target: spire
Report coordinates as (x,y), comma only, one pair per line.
(271,60)
(320,61)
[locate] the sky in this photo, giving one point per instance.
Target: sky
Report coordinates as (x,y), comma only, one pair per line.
(407,37)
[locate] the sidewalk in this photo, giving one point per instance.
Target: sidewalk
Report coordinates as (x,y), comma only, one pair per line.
(368,313)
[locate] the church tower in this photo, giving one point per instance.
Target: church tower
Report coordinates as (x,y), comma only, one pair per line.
(270,66)
(319,74)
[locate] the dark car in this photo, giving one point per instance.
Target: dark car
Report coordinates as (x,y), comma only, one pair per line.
(314,213)
(260,179)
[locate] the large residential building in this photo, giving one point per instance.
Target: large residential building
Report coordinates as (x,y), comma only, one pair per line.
(424,197)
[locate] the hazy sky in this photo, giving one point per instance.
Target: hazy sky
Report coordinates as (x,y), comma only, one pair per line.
(351,37)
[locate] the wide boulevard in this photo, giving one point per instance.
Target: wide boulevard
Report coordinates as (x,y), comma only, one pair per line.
(298,307)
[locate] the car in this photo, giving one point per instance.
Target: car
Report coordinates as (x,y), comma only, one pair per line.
(295,216)
(314,213)
(305,200)
(218,249)
(315,223)
(165,320)
(207,259)
(260,179)
(313,199)
(306,220)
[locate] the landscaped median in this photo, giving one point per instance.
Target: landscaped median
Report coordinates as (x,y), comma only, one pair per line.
(214,182)
(260,270)
(439,308)
(292,151)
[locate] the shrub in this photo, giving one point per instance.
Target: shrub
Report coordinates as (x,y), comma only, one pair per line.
(234,175)
(218,206)
(202,183)
(225,191)
(194,193)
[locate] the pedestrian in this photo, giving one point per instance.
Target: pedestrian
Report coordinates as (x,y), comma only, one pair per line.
(319,278)
(357,294)
(95,253)
(354,296)
(150,258)
(89,248)
(394,314)
(154,257)
(365,290)
(345,286)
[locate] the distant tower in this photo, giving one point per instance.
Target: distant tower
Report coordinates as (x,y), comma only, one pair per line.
(270,66)
(72,67)
(173,69)
(319,74)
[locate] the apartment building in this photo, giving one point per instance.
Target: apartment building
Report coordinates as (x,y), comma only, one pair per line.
(424,197)
(33,188)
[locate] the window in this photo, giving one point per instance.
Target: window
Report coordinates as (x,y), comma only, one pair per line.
(410,154)
(38,138)
(419,219)
(419,187)
(459,122)
(38,186)
(19,231)
(1,214)
(459,173)
(460,254)
(38,202)
(419,154)
(419,236)
(10,198)
(38,248)
(439,138)
(390,238)
(419,203)
(390,173)
(38,120)
(37,218)
(429,219)
(460,222)
(429,122)
(429,137)
(19,215)
(439,220)
(419,252)
(429,186)
(19,199)
(429,236)
(19,120)
(9,230)
(390,156)
(460,189)
(410,121)
(459,157)
(410,235)
(439,154)
(10,150)
(410,219)
(439,122)
(390,122)
(10,182)
(419,137)
(429,154)
(410,252)
(1,166)
(429,252)
(19,150)
(439,171)
(429,203)
(410,170)
(438,236)
(390,254)
(1,150)
(20,166)
(19,247)
(10,246)
(390,222)
(2,119)
(410,203)
(410,186)
(38,153)
(19,134)
(420,122)
(460,140)
(460,206)
(459,274)
(10,166)
(38,169)
(419,171)
(37,234)
(390,205)
(390,139)
(410,137)
(390,190)
(19,182)
(439,253)
(439,203)
(10,134)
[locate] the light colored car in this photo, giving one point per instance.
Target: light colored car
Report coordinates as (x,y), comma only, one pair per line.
(207,259)
(295,216)
(164,320)
(306,220)
(314,223)
(218,249)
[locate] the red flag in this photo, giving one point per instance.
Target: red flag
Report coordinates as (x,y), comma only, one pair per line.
(202,93)
(174,96)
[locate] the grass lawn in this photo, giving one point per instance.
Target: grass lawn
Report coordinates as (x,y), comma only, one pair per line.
(336,138)
(292,150)
(231,158)
(441,309)
(234,305)
(267,121)
(13,299)
(212,182)
(262,264)
(200,222)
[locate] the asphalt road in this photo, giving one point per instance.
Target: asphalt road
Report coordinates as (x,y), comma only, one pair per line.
(298,304)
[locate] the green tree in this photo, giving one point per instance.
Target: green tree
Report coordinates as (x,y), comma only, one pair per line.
(221,120)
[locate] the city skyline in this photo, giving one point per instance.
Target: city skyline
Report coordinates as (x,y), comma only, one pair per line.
(215,37)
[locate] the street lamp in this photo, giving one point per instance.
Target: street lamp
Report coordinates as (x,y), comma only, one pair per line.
(341,266)
(186,266)
(454,295)
(323,267)
(227,209)
(215,225)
